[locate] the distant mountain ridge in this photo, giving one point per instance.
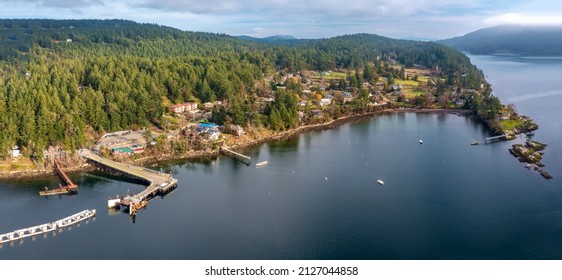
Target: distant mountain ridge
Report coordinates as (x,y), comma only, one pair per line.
(511,39)
(275,39)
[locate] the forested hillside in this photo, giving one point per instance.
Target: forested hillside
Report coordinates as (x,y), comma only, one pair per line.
(511,39)
(64,79)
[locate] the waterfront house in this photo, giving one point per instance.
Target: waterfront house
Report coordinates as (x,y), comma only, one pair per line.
(236,130)
(15,151)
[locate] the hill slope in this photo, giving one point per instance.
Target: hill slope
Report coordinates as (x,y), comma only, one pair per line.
(510,39)
(63,80)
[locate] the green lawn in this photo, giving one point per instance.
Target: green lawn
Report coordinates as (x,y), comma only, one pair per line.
(509,124)
(406,82)
(332,75)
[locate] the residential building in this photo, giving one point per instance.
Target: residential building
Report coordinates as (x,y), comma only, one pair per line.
(236,130)
(325,102)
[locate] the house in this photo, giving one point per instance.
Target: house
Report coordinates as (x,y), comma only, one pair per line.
(190,106)
(325,102)
(16,151)
(180,108)
(177,108)
(206,127)
(208,105)
(214,135)
(460,102)
(316,113)
(236,130)
(347,97)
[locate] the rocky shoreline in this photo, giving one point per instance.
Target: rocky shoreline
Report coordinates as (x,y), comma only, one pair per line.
(73,163)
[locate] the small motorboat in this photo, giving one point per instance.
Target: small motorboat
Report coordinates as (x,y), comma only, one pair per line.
(380,182)
(261,164)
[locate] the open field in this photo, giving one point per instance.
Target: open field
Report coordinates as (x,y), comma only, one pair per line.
(331,75)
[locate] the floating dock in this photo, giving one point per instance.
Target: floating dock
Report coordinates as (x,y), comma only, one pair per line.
(48,227)
(158,183)
(70,187)
(498,138)
(230,153)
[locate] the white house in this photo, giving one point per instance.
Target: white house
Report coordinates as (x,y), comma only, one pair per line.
(325,102)
(15,151)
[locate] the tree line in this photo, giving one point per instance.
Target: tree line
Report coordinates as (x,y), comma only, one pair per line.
(63,81)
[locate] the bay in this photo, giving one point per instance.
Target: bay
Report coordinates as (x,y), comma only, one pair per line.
(318,197)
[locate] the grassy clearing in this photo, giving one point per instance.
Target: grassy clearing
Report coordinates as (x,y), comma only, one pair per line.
(423,79)
(331,76)
(509,124)
(407,83)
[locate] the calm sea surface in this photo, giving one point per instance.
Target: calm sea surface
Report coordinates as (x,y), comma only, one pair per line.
(318,197)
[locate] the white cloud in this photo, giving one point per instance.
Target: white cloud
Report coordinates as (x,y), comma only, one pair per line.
(328,8)
(58,3)
(514,18)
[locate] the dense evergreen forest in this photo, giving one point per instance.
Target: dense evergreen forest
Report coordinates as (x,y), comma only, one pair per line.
(63,80)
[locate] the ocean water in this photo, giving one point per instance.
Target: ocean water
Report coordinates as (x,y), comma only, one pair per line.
(318,197)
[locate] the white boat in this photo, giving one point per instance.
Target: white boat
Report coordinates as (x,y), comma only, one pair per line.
(380,182)
(113,203)
(260,164)
(421,140)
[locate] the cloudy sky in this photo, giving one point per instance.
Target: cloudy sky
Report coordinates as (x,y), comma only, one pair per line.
(411,19)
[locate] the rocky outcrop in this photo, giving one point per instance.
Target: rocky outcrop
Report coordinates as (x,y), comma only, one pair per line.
(531,153)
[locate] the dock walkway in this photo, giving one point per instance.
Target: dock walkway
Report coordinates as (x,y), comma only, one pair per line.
(238,156)
(488,140)
(70,188)
(48,227)
(158,182)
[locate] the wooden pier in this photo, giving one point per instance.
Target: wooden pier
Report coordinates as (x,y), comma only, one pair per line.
(498,138)
(158,183)
(230,153)
(70,187)
(48,227)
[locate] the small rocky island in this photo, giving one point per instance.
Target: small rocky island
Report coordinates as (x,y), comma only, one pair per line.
(531,153)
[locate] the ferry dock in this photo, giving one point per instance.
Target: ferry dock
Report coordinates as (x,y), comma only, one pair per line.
(158,183)
(48,227)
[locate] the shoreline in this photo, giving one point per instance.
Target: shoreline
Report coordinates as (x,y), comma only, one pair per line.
(197,155)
